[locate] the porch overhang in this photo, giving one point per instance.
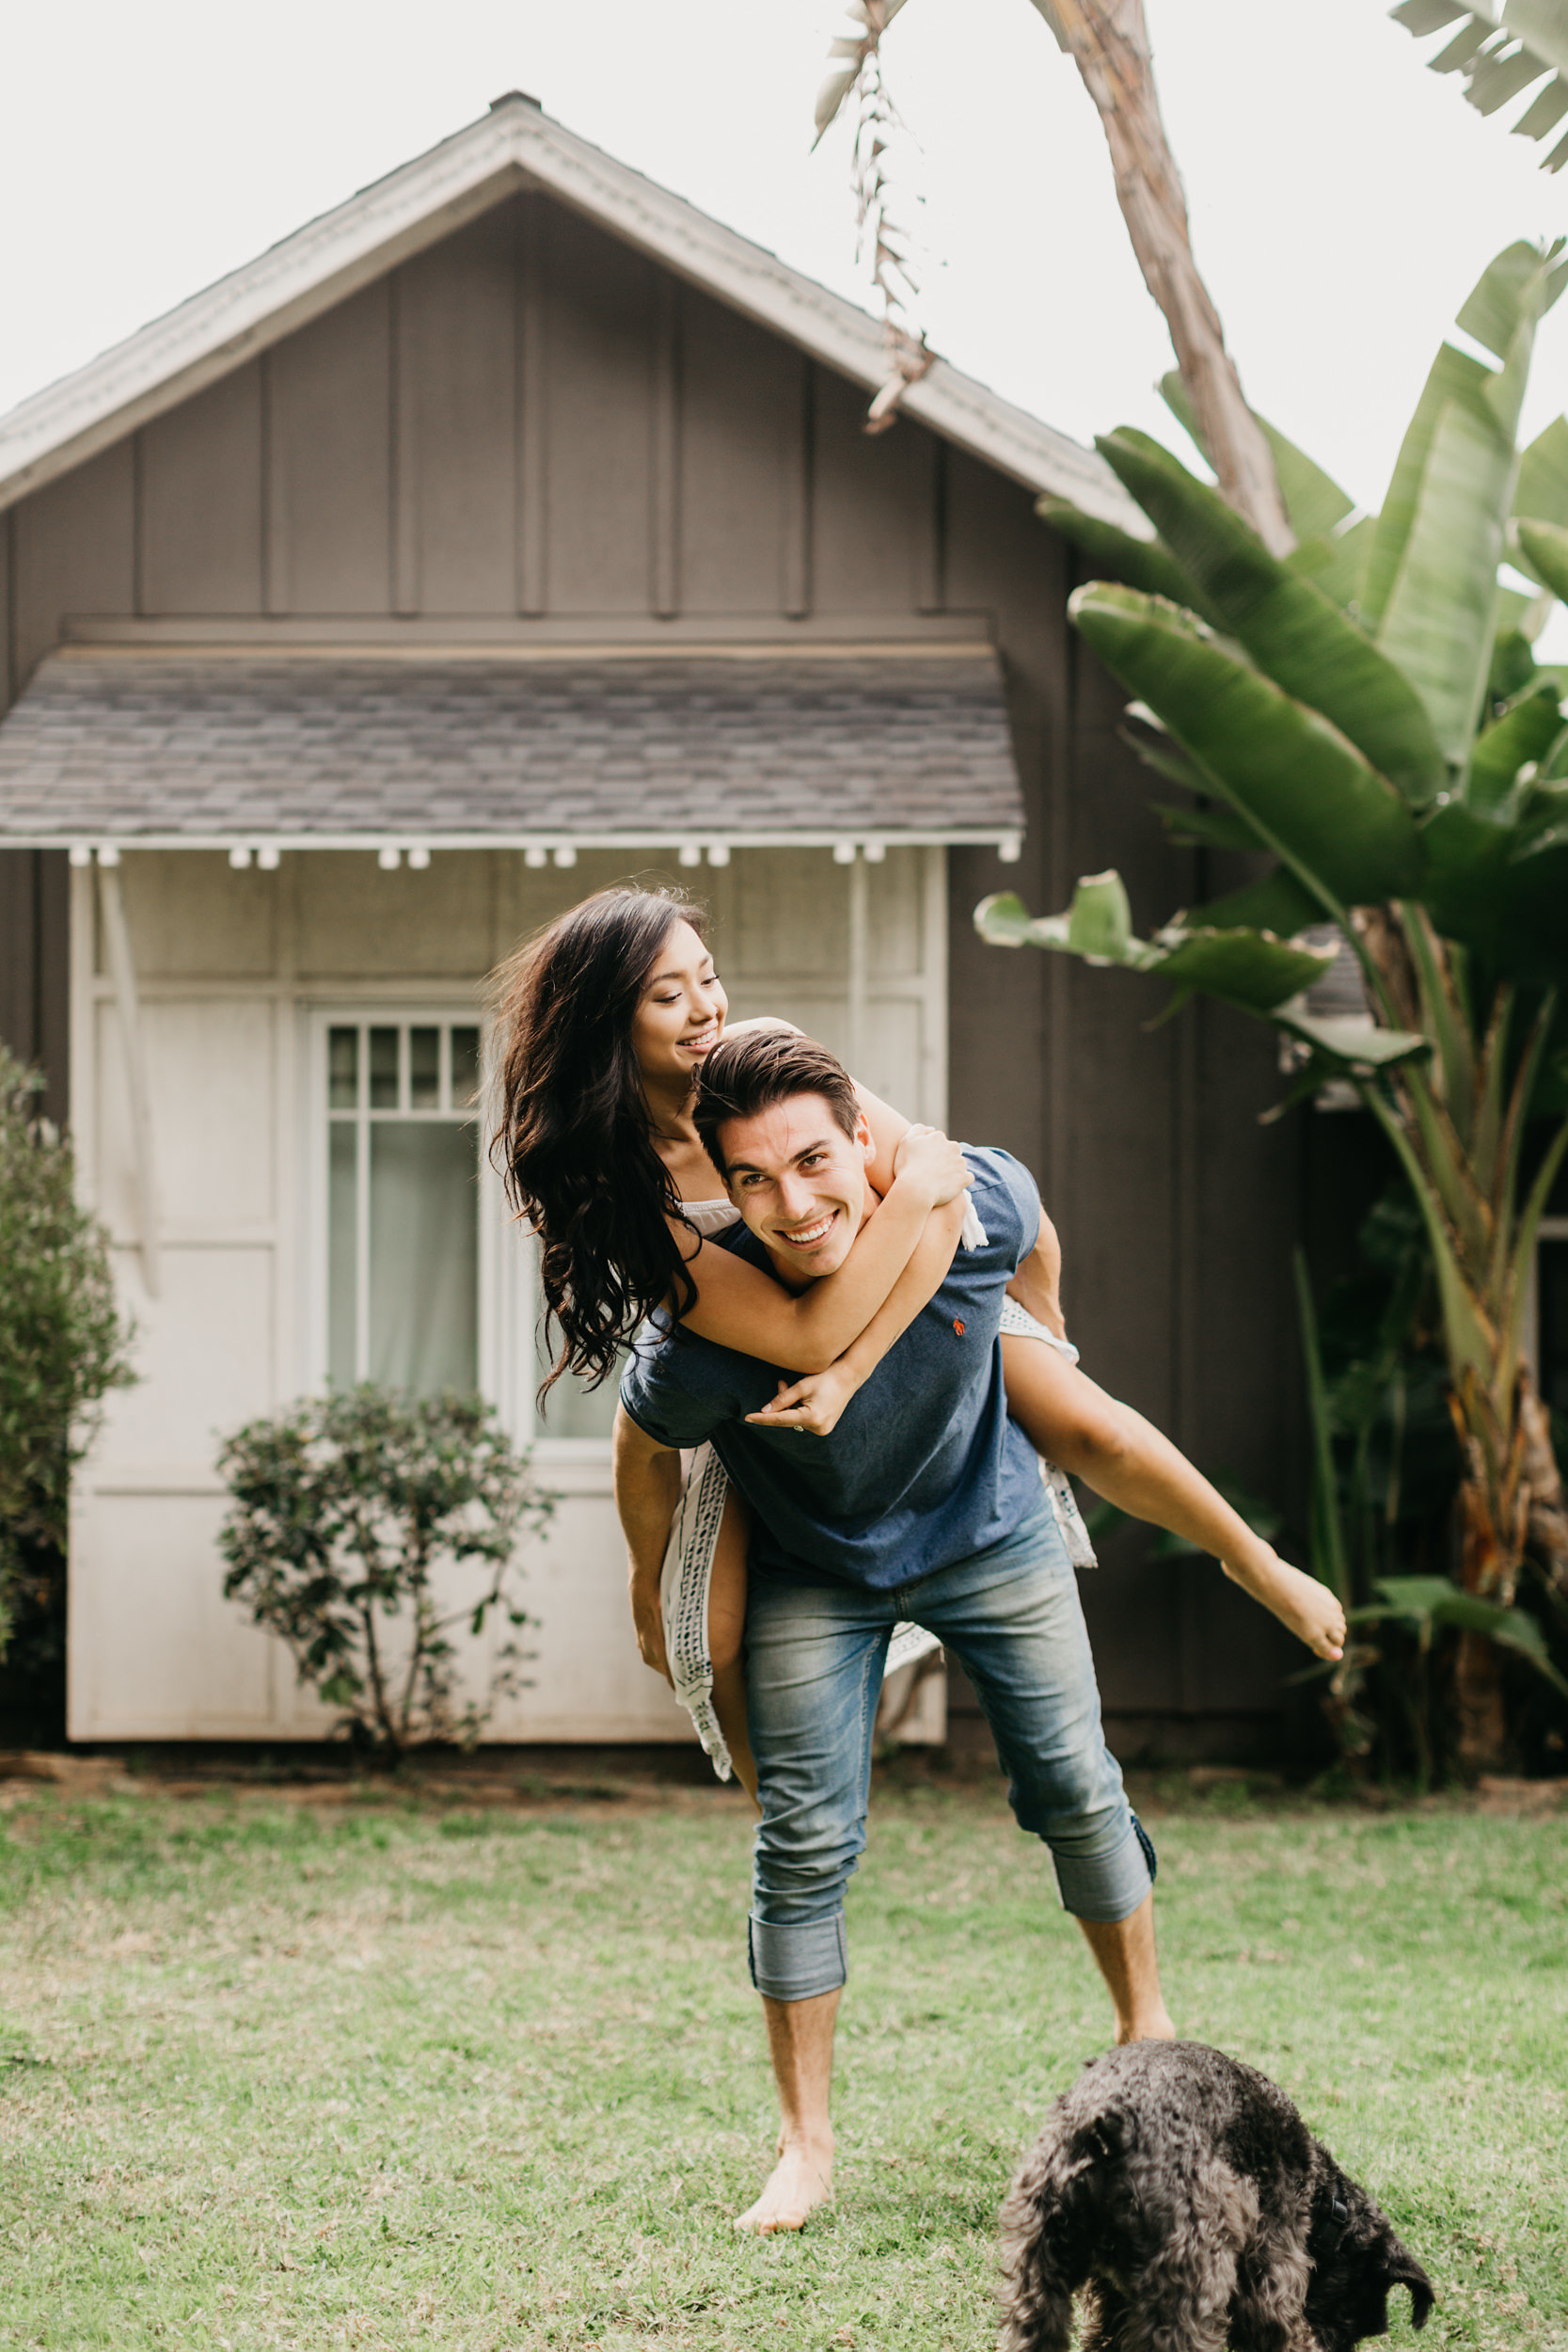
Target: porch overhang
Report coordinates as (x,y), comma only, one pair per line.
(414,751)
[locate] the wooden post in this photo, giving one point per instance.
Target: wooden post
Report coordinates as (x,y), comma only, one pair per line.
(122,973)
(859,947)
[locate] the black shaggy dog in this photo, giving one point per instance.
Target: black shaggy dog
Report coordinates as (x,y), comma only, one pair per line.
(1184,2194)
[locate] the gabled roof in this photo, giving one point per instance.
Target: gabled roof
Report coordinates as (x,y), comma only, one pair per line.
(514,146)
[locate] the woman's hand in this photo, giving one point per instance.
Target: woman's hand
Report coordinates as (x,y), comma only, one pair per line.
(812,1404)
(928,1158)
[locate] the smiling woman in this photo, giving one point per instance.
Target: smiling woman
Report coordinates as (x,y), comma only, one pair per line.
(603,1019)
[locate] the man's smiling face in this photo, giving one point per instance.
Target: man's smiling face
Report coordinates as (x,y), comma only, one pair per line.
(800,1183)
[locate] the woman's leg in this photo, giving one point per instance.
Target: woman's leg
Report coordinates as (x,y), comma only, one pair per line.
(1114,1450)
(1047,1398)
(726,1627)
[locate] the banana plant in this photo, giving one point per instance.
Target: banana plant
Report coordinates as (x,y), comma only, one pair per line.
(1367,714)
(1500,53)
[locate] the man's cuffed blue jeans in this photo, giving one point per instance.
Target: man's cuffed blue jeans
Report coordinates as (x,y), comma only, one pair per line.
(814,1675)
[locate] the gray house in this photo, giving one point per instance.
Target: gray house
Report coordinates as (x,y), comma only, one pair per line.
(509,530)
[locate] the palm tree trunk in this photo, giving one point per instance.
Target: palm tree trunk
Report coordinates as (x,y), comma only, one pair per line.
(1108,41)
(1548,1517)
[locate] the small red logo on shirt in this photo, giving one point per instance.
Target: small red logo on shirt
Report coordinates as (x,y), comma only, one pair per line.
(957,1327)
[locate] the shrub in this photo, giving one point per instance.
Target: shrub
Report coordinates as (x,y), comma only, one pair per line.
(62,1348)
(354,1515)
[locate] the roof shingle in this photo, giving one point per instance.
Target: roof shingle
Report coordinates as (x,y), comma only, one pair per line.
(190,746)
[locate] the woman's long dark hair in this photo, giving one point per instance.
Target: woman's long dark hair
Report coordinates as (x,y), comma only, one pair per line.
(572,1140)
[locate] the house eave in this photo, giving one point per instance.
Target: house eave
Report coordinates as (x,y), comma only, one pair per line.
(515,145)
(97,846)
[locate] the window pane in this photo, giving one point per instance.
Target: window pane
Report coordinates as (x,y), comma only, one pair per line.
(572,1409)
(342,1265)
(342,1069)
(465,1067)
(424,1070)
(424,1255)
(384,1070)
(1552,1277)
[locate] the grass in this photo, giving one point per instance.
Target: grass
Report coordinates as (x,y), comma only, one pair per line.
(386,2075)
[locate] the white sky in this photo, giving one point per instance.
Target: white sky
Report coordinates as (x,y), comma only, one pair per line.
(1343,199)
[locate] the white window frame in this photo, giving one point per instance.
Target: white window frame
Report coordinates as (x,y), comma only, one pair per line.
(507,1291)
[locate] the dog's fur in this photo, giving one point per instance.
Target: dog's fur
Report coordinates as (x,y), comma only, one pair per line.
(1184,2194)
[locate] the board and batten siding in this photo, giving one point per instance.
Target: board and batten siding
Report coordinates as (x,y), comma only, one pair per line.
(236,973)
(530,431)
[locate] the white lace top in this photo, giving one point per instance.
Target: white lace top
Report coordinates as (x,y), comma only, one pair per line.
(711,1217)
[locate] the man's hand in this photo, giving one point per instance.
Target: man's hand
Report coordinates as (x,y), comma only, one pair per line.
(814,1403)
(928,1158)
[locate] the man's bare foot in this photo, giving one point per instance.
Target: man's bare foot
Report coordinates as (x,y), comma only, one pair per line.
(801,2180)
(1156,2027)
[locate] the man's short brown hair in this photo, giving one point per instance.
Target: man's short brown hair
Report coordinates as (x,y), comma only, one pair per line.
(748,1075)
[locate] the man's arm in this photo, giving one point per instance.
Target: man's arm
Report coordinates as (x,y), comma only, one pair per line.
(647,1491)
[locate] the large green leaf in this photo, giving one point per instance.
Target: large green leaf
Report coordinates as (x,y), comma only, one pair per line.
(1541,489)
(1453,374)
(1314,502)
(1510,298)
(1441,605)
(1545,546)
(1429,1602)
(1499,882)
(1277,903)
(1314,799)
(1500,51)
(1294,632)
(1097,926)
(1524,734)
(1246,968)
(1114,554)
(1468,853)
(1431,588)
(1207,828)
(1336,564)
(1353,1042)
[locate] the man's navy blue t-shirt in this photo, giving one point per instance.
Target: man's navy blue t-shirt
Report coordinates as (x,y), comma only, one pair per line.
(923,1467)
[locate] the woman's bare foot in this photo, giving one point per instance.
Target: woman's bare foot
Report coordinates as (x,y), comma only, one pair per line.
(1299,1602)
(801,2180)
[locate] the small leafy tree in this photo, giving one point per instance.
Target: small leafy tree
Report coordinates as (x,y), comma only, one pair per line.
(1367,712)
(62,1344)
(354,1518)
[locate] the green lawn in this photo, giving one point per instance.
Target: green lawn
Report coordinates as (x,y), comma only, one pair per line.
(387,2075)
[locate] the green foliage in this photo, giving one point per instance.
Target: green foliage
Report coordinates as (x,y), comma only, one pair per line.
(1365,714)
(1500,53)
(62,1344)
(1385,1476)
(365,1528)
